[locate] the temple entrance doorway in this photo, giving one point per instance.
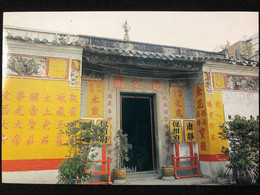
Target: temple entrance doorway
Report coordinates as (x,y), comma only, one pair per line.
(137,122)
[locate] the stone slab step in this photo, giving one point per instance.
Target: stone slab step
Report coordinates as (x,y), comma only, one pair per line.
(141,175)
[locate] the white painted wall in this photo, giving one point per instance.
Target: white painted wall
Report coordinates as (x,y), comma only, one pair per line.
(242,103)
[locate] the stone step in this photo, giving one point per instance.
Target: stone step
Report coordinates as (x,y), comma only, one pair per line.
(141,175)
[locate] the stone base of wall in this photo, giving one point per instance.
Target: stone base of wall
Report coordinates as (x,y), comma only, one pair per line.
(213,169)
(31,177)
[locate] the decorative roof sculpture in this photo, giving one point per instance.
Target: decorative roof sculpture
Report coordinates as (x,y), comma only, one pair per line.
(126,28)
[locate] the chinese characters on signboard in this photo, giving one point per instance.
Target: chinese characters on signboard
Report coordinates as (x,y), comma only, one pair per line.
(189,130)
(176,129)
(137,83)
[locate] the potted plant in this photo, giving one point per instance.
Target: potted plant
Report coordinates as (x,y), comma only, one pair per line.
(136,157)
(119,173)
(83,138)
(168,170)
(243,150)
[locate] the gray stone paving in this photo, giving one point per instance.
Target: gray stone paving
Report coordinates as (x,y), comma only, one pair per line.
(155,179)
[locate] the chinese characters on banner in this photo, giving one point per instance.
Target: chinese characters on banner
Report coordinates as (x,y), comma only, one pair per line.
(189,130)
(33,112)
(201,118)
(216,118)
(177,103)
(95,97)
(176,127)
(209,113)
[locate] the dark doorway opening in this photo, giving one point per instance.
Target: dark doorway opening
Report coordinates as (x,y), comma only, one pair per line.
(137,122)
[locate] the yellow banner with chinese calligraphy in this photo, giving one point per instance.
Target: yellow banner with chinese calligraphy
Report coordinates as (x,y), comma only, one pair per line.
(215,113)
(177,103)
(207,123)
(189,130)
(201,118)
(95,99)
(176,128)
(33,112)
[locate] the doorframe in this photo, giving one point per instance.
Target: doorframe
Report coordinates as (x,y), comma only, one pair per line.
(142,96)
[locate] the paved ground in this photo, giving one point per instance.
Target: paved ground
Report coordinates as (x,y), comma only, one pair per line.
(184,181)
(156,180)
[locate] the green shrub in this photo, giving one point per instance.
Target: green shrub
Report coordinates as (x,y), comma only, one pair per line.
(83,138)
(243,150)
(121,143)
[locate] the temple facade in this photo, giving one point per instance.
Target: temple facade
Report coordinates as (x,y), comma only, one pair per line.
(52,78)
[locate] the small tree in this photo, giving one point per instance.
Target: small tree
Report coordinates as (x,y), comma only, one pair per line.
(243,151)
(83,138)
(121,143)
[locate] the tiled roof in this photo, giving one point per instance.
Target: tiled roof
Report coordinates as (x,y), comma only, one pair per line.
(152,55)
(119,47)
(163,56)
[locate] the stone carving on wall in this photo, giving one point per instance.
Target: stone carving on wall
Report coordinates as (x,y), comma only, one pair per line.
(207,82)
(26,66)
(242,83)
(75,73)
(184,52)
(126,45)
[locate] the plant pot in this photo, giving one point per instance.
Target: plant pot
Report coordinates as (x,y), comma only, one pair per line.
(168,171)
(119,174)
(241,176)
(84,182)
(238,176)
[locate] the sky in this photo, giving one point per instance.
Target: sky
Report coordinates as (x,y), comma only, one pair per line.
(195,30)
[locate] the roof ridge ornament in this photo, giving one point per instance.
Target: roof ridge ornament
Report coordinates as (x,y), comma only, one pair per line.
(126,28)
